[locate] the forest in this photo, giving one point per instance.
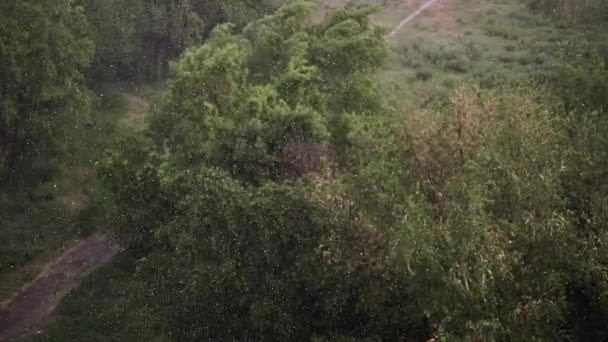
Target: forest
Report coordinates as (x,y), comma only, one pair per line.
(303,170)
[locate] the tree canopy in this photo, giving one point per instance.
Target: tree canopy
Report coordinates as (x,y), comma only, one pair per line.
(137,39)
(44,50)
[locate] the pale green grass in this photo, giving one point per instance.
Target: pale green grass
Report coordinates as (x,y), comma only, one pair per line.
(488,43)
(391,17)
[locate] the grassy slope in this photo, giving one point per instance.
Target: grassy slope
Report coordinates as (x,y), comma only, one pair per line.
(481,41)
(490,43)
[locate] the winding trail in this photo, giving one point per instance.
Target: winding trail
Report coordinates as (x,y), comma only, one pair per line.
(34,303)
(411,17)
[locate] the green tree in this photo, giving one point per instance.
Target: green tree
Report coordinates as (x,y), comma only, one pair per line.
(44,49)
(167,28)
(249,249)
(242,12)
(470,198)
(138,38)
(244,102)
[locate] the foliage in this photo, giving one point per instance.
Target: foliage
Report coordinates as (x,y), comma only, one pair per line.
(240,12)
(41,99)
(138,37)
(471,200)
(227,107)
(584,183)
(211,196)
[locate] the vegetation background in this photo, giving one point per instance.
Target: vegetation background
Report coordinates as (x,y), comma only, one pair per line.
(280,170)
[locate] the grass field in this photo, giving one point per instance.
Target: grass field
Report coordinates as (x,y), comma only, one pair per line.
(490,44)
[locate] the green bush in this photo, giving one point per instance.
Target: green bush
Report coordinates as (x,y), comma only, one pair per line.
(424,75)
(458,65)
(501,31)
(506,58)
(451,57)
(450,193)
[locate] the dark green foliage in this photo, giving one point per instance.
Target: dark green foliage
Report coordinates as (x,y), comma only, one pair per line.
(43,49)
(239,12)
(424,75)
(451,191)
(136,39)
(450,57)
(280,257)
(584,186)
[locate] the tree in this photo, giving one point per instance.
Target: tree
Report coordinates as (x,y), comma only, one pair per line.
(243,101)
(44,50)
(573,10)
(242,12)
(167,28)
(482,196)
(138,38)
(248,248)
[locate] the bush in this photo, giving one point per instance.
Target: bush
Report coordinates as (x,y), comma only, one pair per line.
(409,56)
(472,51)
(506,58)
(424,75)
(449,82)
(446,187)
(451,57)
(505,32)
(532,59)
(491,79)
(458,65)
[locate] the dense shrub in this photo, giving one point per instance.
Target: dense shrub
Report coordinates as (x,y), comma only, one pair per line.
(451,57)
(424,75)
(472,200)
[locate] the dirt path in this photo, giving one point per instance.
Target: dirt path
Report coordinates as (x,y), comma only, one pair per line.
(34,303)
(411,17)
